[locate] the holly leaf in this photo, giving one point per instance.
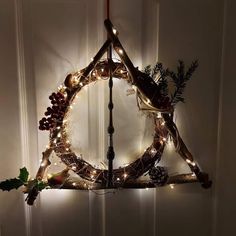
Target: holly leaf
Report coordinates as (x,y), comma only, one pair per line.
(24,175)
(10,184)
(41,185)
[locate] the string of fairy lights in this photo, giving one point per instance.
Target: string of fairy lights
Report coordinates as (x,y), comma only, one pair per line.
(149,100)
(152,99)
(59,141)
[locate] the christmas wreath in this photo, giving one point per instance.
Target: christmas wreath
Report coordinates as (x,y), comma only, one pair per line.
(157,89)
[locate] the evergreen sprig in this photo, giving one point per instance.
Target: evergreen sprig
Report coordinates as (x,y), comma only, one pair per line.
(179,78)
(159,75)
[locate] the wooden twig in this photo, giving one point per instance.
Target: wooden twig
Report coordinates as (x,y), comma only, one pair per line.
(144,83)
(183,151)
(131,184)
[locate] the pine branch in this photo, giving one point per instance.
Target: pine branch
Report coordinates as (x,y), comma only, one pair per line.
(147,70)
(158,74)
(180,78)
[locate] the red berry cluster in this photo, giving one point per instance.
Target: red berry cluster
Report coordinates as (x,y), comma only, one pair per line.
(54,115)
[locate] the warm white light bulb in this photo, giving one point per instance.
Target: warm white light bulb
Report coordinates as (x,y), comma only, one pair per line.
(125,175)
(172,186)
(120,51)
(188,161)
(49,176)
(118,179)
(65,95)
(114,31)
(74,184)
(193,163)
(43,164)
(153,150)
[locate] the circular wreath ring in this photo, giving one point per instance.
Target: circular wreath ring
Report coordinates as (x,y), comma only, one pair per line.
(56,122)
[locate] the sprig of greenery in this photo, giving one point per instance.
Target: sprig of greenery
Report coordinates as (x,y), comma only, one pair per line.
(162,76)
(22,180)
(39,185)
(15,183)
(180,78)
(159,75)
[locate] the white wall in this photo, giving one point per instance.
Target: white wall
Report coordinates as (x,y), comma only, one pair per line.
(11,203)
(192,30)
(226,191)
(41,41)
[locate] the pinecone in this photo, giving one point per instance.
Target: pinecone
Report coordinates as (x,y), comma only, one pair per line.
(158,175)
